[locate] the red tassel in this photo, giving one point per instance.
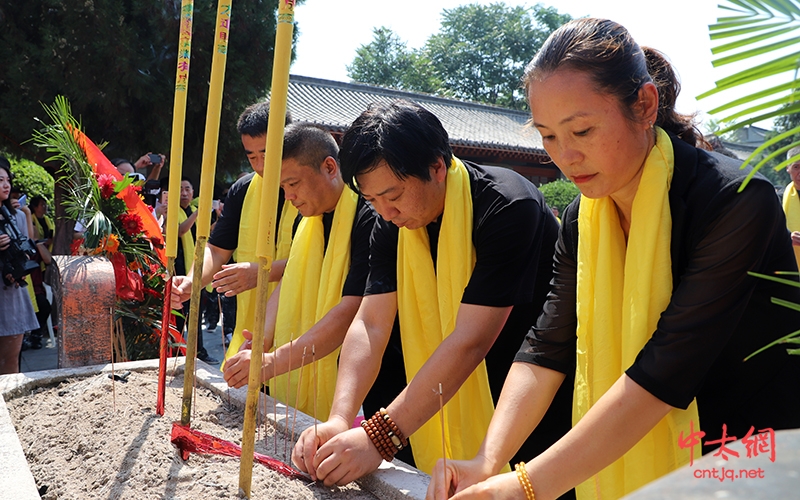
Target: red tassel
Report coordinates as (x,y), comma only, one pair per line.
(188,440)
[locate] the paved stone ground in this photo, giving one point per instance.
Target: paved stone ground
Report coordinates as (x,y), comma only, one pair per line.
(34,360)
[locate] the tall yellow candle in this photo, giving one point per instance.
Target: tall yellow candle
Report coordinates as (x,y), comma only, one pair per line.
(265,246)
(208,170)
(178,123)
(176,153)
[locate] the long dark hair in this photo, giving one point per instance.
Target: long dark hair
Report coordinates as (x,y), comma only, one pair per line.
(618,66)
(5,165)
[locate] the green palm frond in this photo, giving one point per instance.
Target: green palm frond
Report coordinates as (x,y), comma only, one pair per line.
(74,173)
(751,30)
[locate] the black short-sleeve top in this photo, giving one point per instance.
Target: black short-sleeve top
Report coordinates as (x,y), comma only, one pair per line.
(717,315)
(359,245)
(514,234)
(225,234)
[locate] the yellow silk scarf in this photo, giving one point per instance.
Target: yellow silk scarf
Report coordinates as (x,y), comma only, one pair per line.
(38,225)
(246,252)
(622,291)
(791,207)
(32,295)
(187,240)
(311,287)
(428,301)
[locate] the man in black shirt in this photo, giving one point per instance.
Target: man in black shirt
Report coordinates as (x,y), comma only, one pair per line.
(487,250)
(312,181)
(235,232)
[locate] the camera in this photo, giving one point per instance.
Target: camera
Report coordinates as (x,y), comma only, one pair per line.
(154,158)
(17,259)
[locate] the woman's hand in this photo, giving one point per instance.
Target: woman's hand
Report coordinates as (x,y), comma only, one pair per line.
(459,475)
(503,487)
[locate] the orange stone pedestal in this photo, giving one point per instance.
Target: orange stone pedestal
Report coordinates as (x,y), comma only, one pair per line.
(84,289)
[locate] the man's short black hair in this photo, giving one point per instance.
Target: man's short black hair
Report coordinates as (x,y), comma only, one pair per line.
(37,200)
(254,119)
(408,137)
(309,145)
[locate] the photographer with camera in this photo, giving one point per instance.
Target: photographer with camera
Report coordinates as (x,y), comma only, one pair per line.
(16,309)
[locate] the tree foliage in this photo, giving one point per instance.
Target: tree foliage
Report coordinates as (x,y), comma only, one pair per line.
(32,179)
(116,62)
(479,54)
(559,193)
(388,60)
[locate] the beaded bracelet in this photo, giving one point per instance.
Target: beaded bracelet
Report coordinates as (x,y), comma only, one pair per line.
(384,434)
(374,436)
(525,480)
(397,437)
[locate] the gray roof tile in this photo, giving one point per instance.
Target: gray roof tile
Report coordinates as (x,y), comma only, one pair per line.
(335,105)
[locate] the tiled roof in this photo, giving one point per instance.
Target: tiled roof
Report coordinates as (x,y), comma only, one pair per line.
(335,105)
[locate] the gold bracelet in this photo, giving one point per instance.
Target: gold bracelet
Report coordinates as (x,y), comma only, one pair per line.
(525,480)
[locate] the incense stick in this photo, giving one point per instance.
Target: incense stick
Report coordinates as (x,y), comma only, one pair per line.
(274,399)
(314,362)
(288,389)
(224,348)
(113,380)
(299,383)
(441,420)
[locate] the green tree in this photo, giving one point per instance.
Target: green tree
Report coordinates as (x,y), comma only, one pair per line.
(116,62)
(481,51)
(388,60)
(559,193)
(479,54)
(32,179)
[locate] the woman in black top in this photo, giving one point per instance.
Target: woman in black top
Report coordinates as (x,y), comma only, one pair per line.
(605,110)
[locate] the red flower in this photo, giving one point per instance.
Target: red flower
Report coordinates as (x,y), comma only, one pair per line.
(106,184)
(132,223)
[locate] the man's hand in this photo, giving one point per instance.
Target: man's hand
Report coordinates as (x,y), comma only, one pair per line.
(181,291)
(5,241)
(234,279)
(796,238)
(346,457)
(305,449)
(237,368)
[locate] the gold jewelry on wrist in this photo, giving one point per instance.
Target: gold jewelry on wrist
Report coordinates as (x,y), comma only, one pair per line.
(525,480)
